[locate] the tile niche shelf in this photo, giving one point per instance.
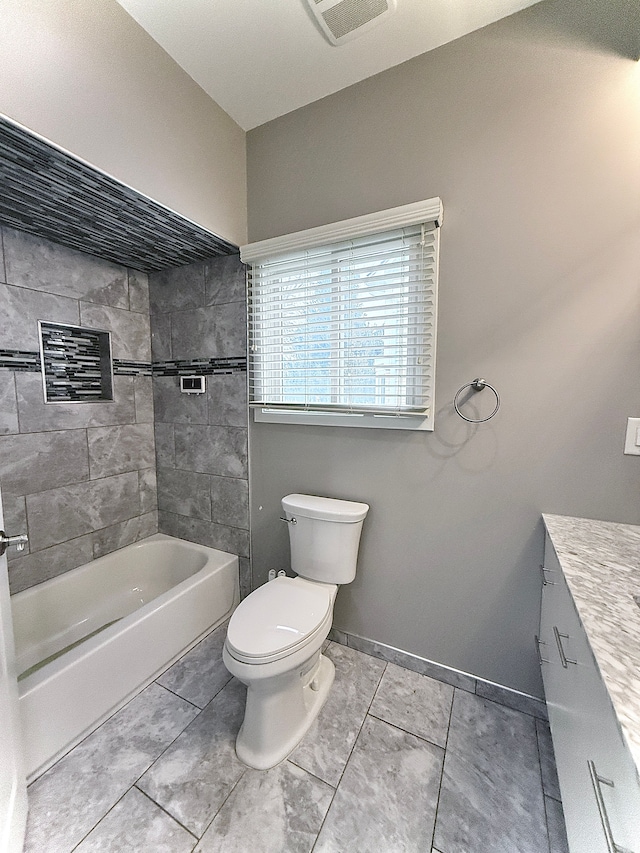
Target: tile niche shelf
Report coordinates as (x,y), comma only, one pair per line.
(76,364)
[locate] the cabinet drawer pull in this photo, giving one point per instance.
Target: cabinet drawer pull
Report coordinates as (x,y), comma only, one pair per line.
(539,643)
(543,572)
(564,660)
(597,781)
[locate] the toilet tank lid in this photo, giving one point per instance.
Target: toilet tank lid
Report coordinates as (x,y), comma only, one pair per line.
(327,509)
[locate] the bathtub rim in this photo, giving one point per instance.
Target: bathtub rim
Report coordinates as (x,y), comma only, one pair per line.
(91,564)
(93,644)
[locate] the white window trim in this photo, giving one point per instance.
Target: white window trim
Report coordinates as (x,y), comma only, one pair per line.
(371,223)
(430,210)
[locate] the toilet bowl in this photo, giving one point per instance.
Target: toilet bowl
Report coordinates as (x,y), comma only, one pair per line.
(275,636)
(273,646)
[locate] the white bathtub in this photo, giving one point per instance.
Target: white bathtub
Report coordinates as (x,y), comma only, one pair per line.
(157,598)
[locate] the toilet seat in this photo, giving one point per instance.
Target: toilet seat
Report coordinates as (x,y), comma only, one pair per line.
(279,618)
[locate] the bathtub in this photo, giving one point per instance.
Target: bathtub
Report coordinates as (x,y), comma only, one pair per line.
(90,639)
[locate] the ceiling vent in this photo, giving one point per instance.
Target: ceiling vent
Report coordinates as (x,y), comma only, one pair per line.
(343,20)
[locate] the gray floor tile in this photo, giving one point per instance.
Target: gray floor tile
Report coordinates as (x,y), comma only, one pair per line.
(388,795)
(414,702)
(70,798)
(550,784)
(555,823)
(275,811)
(192,779)
(200,674)
(491,786)
(326,747)
(137,824)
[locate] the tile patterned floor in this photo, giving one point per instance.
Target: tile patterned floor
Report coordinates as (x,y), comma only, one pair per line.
(397,762)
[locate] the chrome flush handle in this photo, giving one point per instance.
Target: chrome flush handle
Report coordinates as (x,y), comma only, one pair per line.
(19,541)
(288,520)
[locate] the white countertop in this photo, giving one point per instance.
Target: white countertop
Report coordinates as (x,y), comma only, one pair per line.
(601,562)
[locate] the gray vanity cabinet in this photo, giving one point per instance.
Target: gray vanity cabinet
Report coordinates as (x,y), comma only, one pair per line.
(598,776)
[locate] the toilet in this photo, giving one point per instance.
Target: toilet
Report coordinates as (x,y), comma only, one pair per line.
(275,635)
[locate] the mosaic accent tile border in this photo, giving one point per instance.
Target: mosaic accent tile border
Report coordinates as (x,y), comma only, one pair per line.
(30,361)
(201,366)
(15,359)
(132,368)
(51,194)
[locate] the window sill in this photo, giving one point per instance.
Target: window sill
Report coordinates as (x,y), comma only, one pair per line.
(330,419)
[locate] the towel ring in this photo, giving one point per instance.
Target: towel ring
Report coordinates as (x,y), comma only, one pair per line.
(477,385)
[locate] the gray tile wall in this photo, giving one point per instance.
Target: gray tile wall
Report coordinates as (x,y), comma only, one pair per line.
(79,478)
(199,312)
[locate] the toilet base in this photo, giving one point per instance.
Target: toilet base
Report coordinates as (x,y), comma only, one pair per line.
(280,711)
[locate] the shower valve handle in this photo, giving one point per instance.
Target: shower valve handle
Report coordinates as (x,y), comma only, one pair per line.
(19,541)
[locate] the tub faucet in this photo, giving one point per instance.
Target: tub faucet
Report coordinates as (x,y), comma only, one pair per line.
(19,541)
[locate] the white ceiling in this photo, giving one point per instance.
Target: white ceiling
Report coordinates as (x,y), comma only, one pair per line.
(259,59)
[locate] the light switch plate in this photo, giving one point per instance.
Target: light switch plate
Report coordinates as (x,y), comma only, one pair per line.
(631,441)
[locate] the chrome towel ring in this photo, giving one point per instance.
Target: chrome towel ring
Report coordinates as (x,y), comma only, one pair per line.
(477,385)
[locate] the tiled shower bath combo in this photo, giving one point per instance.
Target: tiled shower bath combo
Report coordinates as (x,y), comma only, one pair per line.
(81,477)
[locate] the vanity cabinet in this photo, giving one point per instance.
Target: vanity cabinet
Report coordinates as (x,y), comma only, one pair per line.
(597,772)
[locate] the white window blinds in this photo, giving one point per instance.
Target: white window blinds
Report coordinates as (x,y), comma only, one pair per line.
(346,325)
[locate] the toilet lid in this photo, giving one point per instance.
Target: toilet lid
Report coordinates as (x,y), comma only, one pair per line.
(279,615)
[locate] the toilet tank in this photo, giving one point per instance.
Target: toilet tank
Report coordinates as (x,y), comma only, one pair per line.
(325,536)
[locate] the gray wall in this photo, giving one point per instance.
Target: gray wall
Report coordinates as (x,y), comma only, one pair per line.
(80,478)
(199,312)
(529,130)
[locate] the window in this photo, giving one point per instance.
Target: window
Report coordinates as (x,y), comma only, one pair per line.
(342,321)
